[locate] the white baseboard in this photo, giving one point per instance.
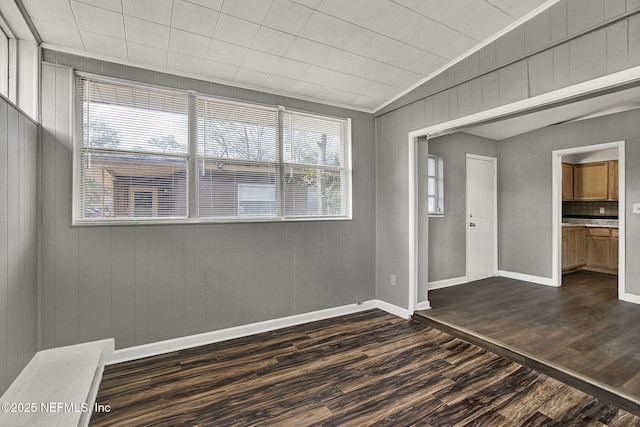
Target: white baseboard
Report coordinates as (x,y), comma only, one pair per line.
(393,309)
(439,284)
(547,281)
(423,305)
(175,344)
(630,298)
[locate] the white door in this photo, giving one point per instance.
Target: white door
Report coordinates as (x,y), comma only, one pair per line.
(481,217)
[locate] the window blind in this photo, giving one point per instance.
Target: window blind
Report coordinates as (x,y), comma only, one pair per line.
(315,165)
(133,153)
(148,154)
(238,170)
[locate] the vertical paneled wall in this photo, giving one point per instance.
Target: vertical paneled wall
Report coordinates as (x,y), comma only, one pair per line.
(142,284)
(572,42)
(18,242)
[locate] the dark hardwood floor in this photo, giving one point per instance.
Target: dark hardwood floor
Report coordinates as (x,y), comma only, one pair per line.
(580,327)
(369,368)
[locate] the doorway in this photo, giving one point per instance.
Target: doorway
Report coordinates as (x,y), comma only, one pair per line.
(557,211)
(481,217)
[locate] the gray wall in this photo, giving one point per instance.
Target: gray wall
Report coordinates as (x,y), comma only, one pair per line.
(525,189)
(18,242)
(572,42)
(142,284)
(447,234)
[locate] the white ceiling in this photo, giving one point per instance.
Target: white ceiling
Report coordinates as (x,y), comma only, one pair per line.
(356,53)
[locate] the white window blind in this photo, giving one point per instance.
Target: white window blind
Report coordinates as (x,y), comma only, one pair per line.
(146,154)
(237,148)
(315,165)
(132,160)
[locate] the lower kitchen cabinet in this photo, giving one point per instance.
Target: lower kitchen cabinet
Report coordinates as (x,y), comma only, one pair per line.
(614,248)
(599,247)
(573,247)
(602,249)
(590,248)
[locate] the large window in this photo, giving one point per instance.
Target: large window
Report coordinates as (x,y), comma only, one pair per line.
(145,154)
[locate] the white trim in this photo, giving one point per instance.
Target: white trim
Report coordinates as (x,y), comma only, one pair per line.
(556,221)
(471,51)
(547,281)
(423,305)
(556,166)
(393,309)
(594,86)
(494,162)
(622,224)
(439,284)
(630,298)
(175,344)
(412,188)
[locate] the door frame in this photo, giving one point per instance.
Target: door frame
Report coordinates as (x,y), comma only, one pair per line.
(556,177)
(562,96)
(494,162)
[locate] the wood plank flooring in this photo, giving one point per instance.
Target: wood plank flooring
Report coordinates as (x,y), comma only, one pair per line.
(369,368)
(581,326)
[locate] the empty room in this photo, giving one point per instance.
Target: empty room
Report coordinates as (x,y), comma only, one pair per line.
(319,212)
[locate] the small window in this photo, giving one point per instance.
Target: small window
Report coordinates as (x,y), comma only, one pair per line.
(435,185)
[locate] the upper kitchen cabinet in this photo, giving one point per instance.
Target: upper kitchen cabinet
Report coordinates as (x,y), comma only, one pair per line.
(567,181)
(595,181)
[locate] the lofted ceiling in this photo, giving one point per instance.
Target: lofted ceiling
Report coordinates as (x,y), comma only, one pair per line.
(355,53)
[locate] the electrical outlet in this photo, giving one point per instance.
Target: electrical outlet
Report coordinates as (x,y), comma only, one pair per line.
(601,209)
(636,208)
(393,280)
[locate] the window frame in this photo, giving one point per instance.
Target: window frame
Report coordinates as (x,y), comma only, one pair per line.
(438,194)
(192,157)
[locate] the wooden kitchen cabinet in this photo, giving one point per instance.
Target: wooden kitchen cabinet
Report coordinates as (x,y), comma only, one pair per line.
(580,245)
(573,247)
(565,249)
(591,181)
(599,247)
(613,180)
(567,181)
(613,263)
(593,248)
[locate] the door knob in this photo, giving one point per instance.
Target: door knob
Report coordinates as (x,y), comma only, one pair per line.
(472,224)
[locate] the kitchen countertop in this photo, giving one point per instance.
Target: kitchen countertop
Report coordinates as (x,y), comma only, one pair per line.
(590,222)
